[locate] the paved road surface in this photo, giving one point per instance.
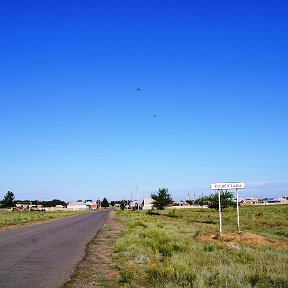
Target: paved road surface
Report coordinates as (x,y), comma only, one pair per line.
(45,255)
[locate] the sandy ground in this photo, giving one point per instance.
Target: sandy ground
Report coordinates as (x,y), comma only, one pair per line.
(246,238)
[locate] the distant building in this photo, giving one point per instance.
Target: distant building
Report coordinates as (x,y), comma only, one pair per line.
(91,204)
(282,200)
(148,204)
(55,208)
(133,205)
(248,201)
(262,201)
(78,205)
(28,206)
(270,201)
(180,204)
(23,205)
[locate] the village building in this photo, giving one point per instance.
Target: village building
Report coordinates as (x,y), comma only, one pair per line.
(78,205)
(148,204)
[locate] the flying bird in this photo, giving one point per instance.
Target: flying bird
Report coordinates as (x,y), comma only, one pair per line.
(138,89)
(155,115)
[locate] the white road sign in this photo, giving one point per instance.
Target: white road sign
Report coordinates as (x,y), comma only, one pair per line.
(226,186)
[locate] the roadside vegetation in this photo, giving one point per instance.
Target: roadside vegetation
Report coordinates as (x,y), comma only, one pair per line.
(183,248)
(97,268)
(11,219)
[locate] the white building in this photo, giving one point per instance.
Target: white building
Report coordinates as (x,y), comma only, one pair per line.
(79,205)
(148,204)
(282,200)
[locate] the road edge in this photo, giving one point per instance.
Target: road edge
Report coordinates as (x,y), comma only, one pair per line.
(97,269)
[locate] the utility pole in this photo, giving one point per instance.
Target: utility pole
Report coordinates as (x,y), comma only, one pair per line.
(138,198)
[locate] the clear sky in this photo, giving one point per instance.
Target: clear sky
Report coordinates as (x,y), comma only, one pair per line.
(213,103)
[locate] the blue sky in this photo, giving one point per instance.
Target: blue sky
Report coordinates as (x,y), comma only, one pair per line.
(73,126)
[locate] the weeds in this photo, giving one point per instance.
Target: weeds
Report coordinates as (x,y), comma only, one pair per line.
(168,251)
(171,214)
(151,212)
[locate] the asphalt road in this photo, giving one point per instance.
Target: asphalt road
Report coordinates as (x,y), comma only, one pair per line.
(45,255)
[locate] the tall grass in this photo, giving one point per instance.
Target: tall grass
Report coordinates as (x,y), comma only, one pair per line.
(166,250)
(18,218)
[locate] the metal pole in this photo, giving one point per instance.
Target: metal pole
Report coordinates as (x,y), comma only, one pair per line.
(138,198)
(238,216)
(220,215)
(131,201)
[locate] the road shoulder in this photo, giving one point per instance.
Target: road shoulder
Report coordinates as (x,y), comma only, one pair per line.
(97,269)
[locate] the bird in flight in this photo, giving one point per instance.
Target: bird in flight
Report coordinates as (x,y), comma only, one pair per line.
(138,89)
(155,116)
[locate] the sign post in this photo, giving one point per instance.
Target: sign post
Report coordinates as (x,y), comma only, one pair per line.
(238,216)
(220,213)
(226,186)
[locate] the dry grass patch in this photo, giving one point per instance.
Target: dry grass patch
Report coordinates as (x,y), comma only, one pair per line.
(246,238)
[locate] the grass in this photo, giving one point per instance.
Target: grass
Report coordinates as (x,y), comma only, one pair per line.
(170,250)
(10,219)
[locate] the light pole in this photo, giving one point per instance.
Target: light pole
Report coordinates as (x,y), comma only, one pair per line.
(138,198)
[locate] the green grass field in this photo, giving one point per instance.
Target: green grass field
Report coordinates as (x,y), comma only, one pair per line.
(10,219)
(183,248)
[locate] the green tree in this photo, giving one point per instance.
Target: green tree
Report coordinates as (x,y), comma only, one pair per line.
(104,203)
(8,200)
(226,199)
(122,204)
(190,202)
(161,199)
(201,201)
(53,203)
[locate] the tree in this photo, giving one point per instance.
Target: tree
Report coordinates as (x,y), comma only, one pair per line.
(190,202)
(122,205)
(104,203)
(8,200)
(226,199)
(201,201)
(161,199)
(53,203)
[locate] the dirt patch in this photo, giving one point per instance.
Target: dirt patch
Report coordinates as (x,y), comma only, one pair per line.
(247,238)
(97,268)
